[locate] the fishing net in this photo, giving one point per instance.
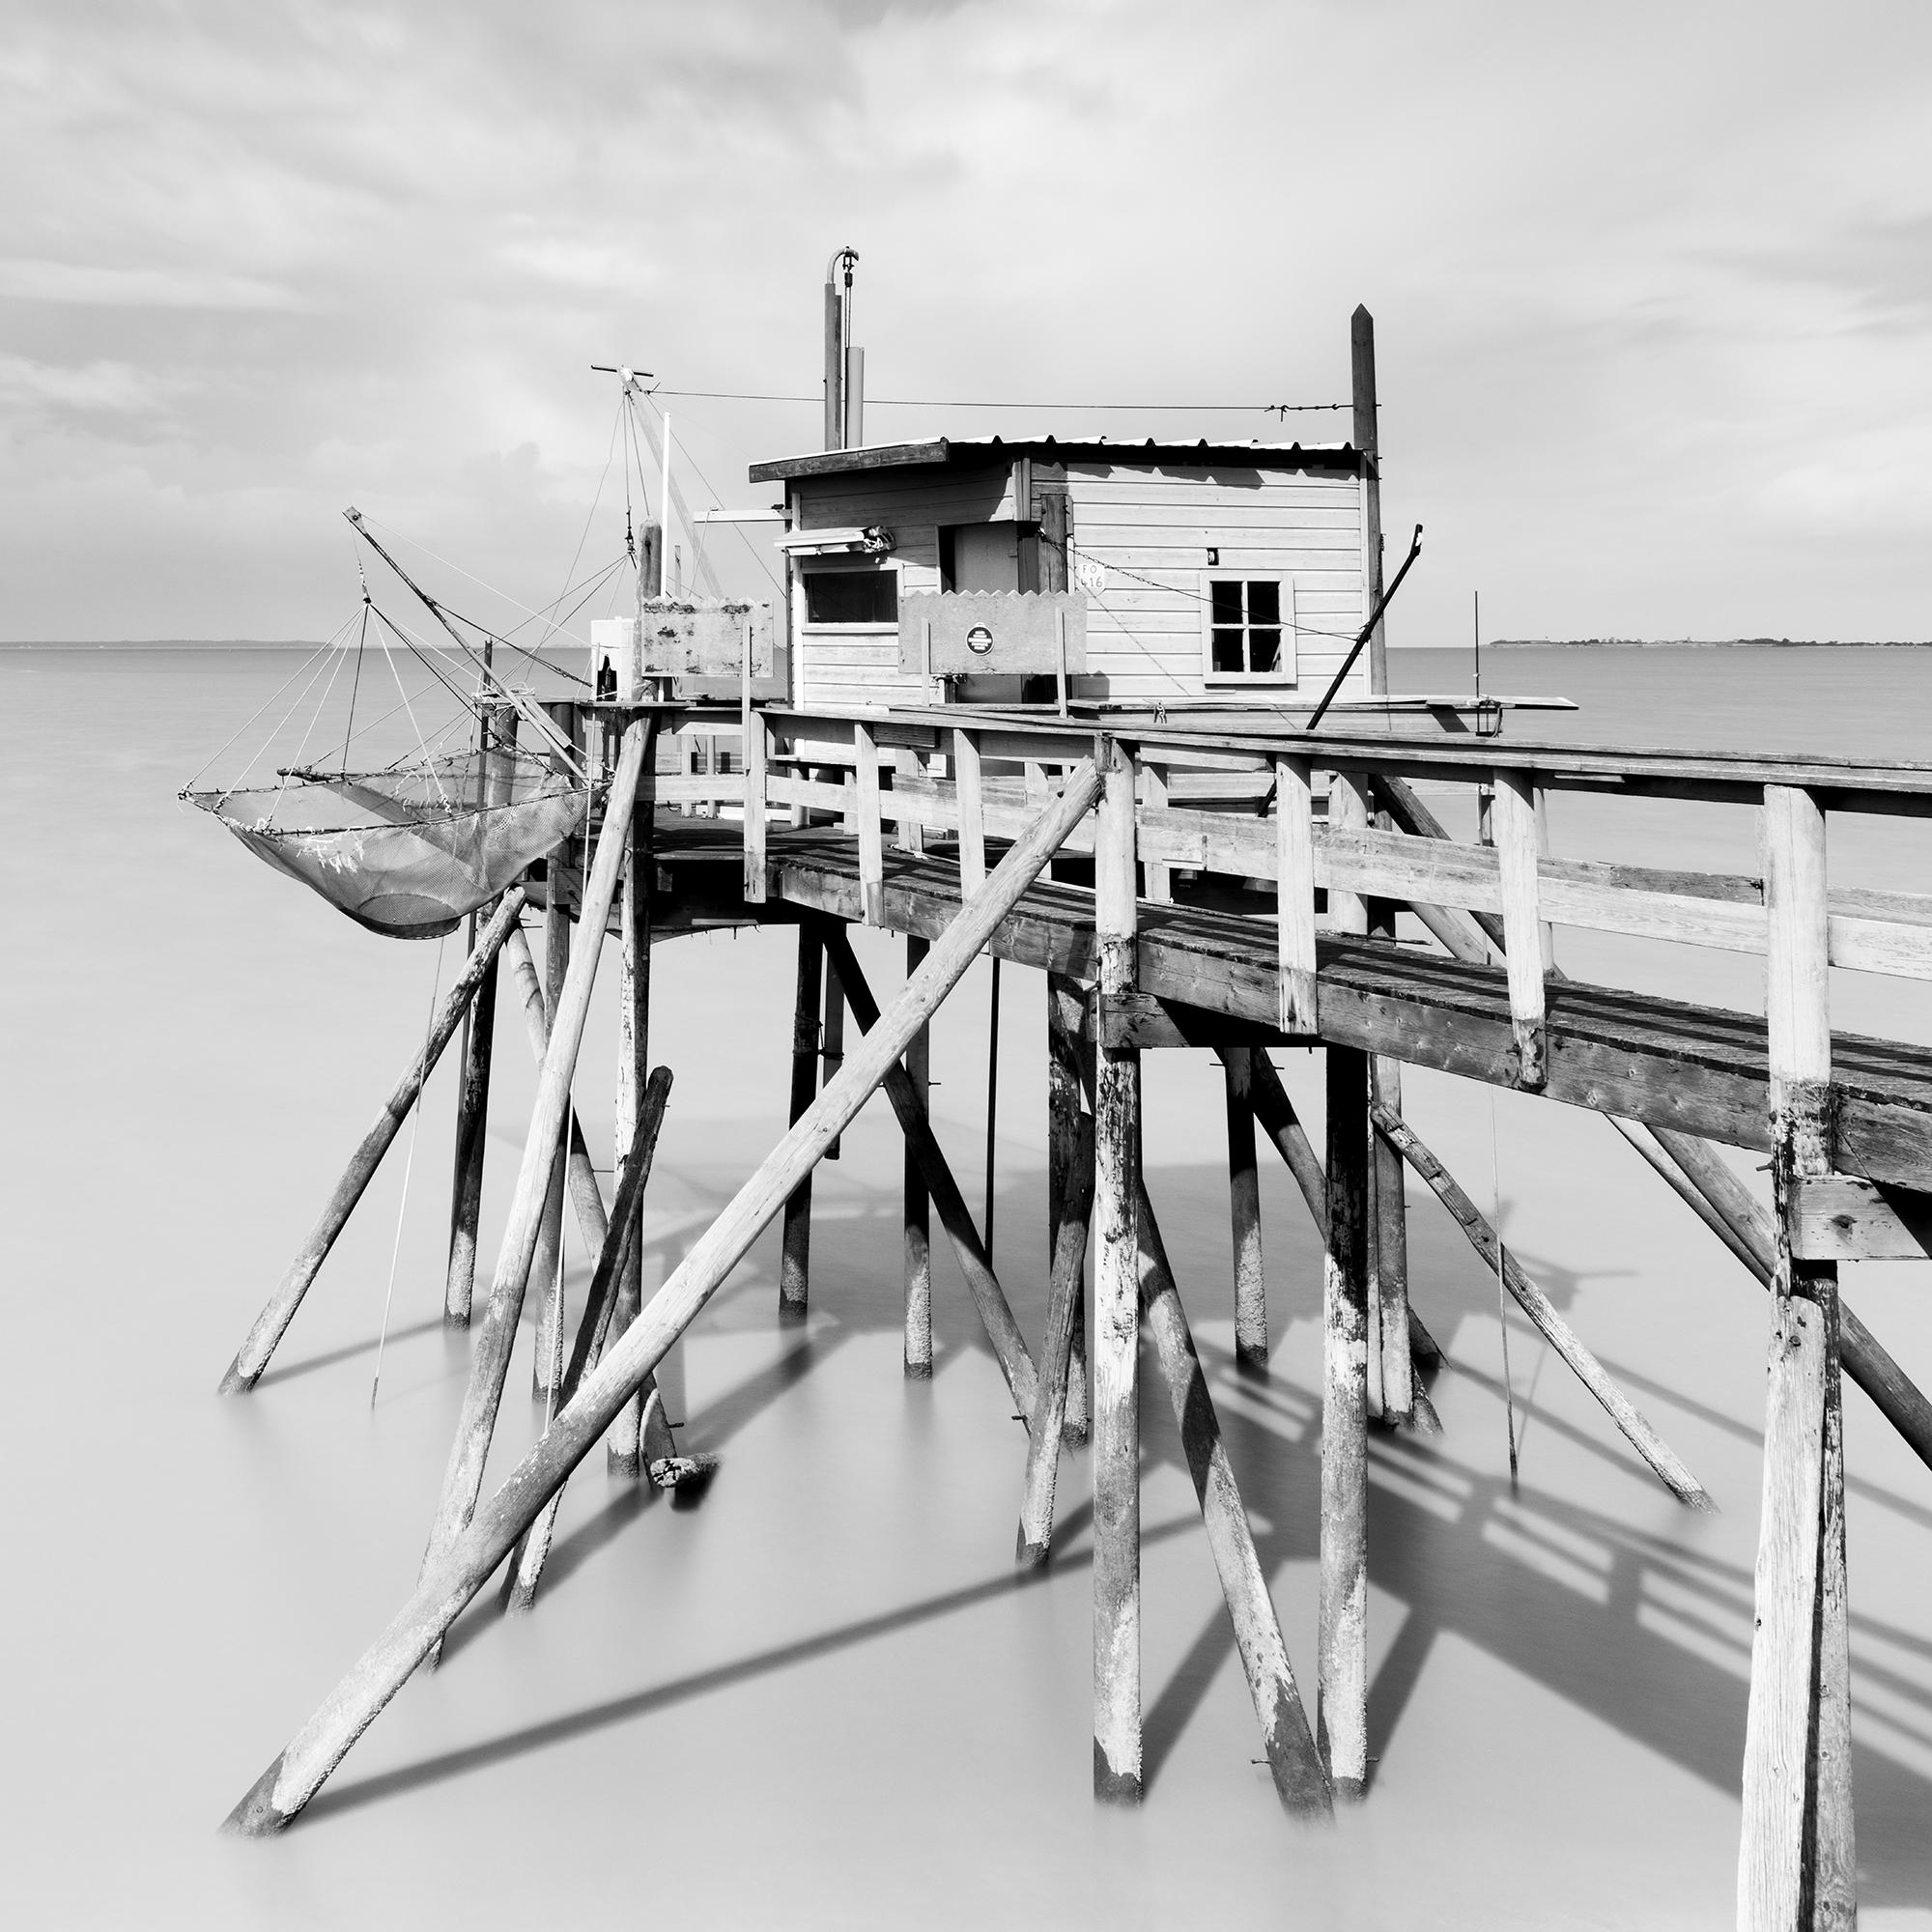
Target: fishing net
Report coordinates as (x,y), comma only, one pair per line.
(405,853)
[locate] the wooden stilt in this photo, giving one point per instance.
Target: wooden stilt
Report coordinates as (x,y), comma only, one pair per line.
(1300,1781)
(832,1035)
(622,1236)
(1393,1370)
(996,1313)
(1343,1696)
(1534,1304)
(1276,1116)
(460,1568)
(496,744)
(565,879)
(1065,1055)
(269,1327)
(1117,1453)
(1796,1864)
(491,1362)
(918,1230)
(626,1452)
(1244,1206)
(795,1259)
(1047,1423)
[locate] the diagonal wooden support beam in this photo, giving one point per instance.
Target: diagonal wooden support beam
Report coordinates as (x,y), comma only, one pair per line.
(996,1313)
(261,1341)
(1534,1304)
(1693,1168)
(1047,1423)
(463,1480)
(1300,1781)
(456,1573)
(613,1256)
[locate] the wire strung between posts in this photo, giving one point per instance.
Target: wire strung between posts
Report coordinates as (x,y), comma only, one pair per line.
(943,403)
(408,1162)
(1502,1288)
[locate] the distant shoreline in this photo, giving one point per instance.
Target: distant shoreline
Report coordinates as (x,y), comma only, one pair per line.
(1708,644)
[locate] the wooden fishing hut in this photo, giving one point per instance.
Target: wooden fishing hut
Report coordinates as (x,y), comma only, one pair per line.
(1227,879)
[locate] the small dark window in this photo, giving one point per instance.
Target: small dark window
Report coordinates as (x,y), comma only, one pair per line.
(851,597)
(1245,626)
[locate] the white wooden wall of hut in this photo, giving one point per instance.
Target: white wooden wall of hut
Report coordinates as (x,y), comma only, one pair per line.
(1151,530)
(860,664)
(1159,524)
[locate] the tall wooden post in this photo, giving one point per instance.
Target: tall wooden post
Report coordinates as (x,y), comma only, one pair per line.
(565,876)
(1117,1445)
(624,1447)
(1368,439)
(1344,1682)
(832,1041)
(1393,1371)
(1066,1008)
(1796,1857)
(497,745)
(1244,1208)
(795,1258)
(918,1205)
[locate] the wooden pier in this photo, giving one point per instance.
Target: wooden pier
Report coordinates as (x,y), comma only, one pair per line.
(1235,884)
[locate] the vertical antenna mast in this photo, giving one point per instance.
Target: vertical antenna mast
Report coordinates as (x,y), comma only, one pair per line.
(663,542)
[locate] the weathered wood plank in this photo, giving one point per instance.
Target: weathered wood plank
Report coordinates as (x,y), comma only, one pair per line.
(1244,1211)
(795,1251)
(1518,860)
(1294,896)
(1066,1280)
(915,1226)
(1344,1680)
(1116,1527)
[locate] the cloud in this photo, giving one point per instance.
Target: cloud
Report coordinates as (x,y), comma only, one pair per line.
(1650,281)
(97,284)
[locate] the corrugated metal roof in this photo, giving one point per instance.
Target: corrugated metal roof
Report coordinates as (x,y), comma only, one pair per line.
(978,449)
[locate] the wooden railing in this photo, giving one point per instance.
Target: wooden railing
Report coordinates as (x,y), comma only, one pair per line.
(1335,818)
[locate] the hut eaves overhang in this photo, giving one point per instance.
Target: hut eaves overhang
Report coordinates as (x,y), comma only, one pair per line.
(979,450)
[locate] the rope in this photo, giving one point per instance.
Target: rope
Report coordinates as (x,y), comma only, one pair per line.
(349,726)
(409,1163)
(265,702)
(1502,1288)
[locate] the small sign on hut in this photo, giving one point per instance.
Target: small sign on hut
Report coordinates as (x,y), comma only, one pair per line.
(992,632)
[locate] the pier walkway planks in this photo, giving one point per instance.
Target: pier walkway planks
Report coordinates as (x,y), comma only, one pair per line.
(1666,1063)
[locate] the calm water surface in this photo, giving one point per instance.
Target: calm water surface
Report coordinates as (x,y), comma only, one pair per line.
(818,1698)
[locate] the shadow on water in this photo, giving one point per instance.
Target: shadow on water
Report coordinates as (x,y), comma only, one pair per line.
(1650,1634)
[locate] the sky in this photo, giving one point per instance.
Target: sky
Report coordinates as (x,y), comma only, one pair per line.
(1652,283)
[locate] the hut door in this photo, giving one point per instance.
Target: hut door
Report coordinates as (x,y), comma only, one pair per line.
(989,557)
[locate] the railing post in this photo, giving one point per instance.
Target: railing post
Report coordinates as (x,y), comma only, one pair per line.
(1117,1498)
(756,763)
(1159,877)
(1515,820)
(871,836)
(918,1214)
(1348,812)
(972,812)
(1796,1859)
(909,763)
(1295,892)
